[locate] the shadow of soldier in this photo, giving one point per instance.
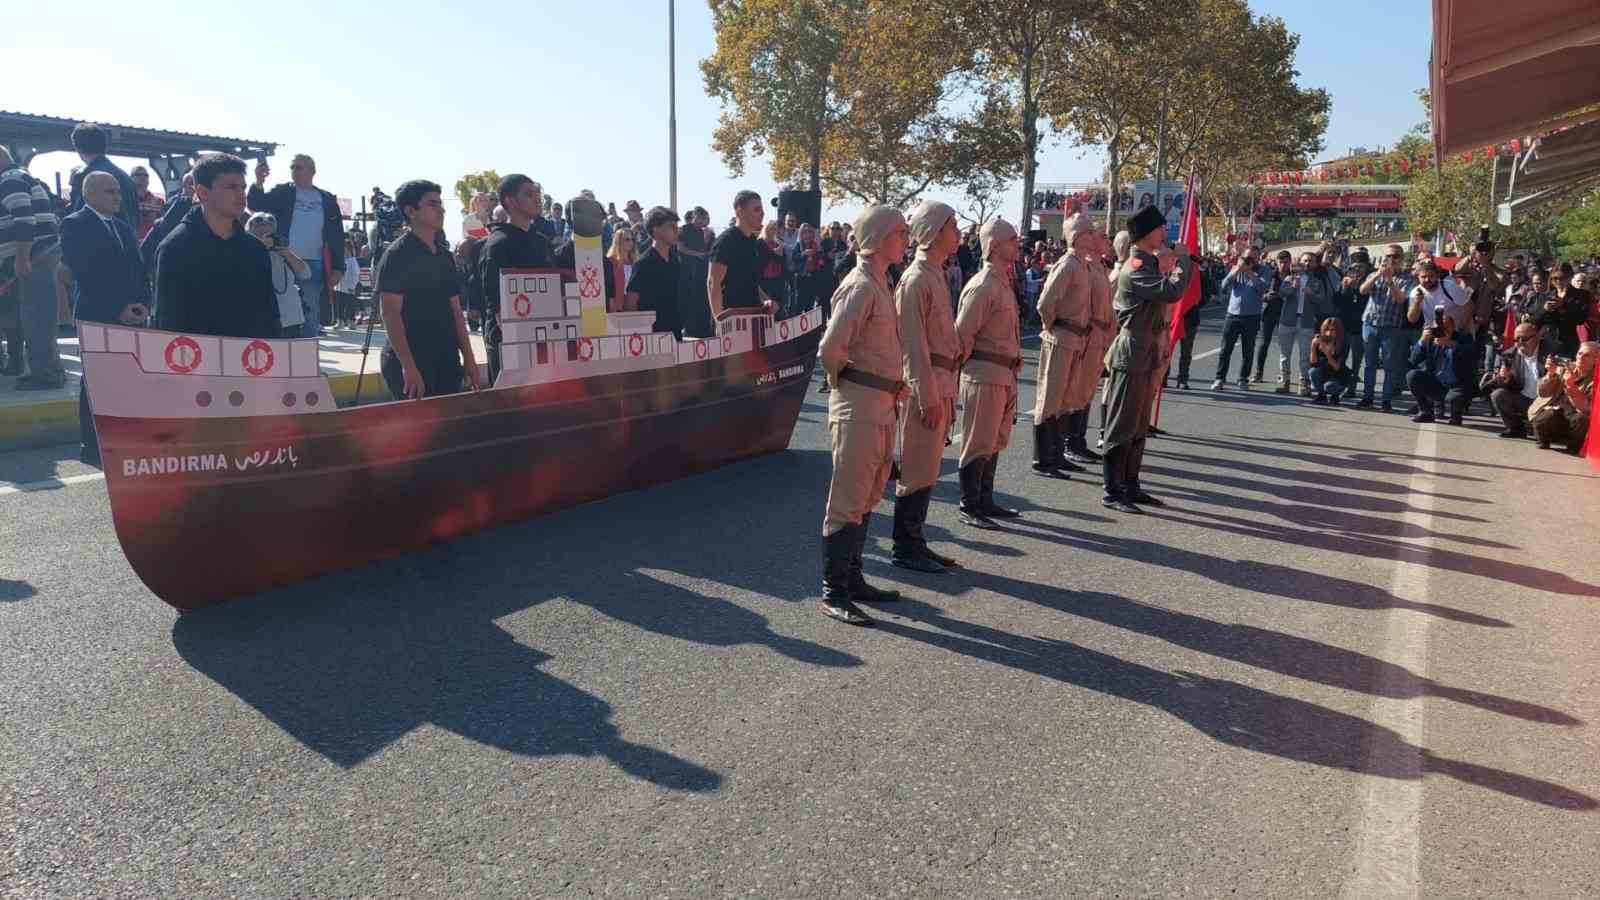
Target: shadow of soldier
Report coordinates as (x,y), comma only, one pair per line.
(349,663)
(1226,711)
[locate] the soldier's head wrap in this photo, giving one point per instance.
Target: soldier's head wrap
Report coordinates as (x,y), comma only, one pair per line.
(927,220)
(1076,225)
(1121,243)
(873,225)
(993,231)
(1145,221)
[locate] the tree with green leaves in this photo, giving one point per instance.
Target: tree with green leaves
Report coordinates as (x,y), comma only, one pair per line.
(471,183)
(1577,230)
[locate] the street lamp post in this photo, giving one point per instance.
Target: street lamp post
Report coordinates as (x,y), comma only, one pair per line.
(672,104)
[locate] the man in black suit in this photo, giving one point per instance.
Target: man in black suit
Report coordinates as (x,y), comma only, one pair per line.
(1514,384)
(108,283)
(91,142)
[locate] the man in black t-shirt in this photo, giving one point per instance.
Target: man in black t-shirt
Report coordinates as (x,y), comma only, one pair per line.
(736,259)
(654,283)
(420,293)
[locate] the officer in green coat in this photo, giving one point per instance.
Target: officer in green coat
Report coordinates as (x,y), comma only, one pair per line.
(1154,276)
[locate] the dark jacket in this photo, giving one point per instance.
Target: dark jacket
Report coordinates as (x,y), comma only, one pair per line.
(130,196)
(508,247)
(1425,356)
(210,285)
(1509,360)
(106,275)
(280,202)
(1561,325)
(175,210)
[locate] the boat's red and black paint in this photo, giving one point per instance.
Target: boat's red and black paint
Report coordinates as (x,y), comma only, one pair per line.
(237,473)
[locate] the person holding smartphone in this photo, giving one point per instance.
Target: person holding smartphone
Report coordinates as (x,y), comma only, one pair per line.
(1383,327)
(288,271)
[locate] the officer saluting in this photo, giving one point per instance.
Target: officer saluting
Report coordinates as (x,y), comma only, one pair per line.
(932,358)
(987,326)
(1153,278)
(861,355)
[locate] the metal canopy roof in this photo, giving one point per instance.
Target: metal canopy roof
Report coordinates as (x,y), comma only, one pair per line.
(49,133)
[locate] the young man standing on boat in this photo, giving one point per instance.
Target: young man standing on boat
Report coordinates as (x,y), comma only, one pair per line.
(653,285)
(862,359)
(514,243)
(1152,280)
(212,276)
(932,358)
(987,326)
(420,294)
(734,280)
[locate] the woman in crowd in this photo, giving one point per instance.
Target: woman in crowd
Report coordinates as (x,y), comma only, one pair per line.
(1330,377)
(622,257)
(774,274)
(288,271)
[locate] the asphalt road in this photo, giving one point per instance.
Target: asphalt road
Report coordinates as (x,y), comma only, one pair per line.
(1352,657)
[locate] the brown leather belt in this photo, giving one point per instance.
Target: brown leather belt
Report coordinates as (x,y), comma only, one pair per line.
(985,356)
(1079,330)
(867,379)
(944,362)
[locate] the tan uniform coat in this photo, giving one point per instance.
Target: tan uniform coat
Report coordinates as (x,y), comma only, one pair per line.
(987,323)
(1064,306)
(927,329)
(1102,327)
(862,334)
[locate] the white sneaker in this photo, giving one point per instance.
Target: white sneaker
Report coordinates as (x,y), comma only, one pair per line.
(1217,385)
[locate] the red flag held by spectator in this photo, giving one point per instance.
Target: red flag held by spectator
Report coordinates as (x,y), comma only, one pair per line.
(1188,239)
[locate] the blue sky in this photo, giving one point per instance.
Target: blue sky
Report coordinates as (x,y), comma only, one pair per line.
(573,94)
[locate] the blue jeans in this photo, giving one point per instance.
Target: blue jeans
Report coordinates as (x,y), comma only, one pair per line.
(1328,383)
(311,300)
(1389,342)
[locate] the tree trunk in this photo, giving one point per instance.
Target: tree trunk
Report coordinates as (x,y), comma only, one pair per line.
(816,165)
(1113,186)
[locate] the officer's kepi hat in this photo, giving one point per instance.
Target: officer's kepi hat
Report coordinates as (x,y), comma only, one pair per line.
(1146,221)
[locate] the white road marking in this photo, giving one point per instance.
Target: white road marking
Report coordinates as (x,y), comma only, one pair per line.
(1212,352)
(1389,842)
(50,484)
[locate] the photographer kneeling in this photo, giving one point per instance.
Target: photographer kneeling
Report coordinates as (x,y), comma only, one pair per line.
(1330,377)
(1514,383)
(1441,370)
(1566,394)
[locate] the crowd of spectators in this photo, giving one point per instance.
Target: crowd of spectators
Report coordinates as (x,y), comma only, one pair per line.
(1521,337)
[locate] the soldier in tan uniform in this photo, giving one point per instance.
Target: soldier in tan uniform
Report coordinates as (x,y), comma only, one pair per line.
(1064,332)
(1153,278)
(862,360)
(987,326)
(1122,246)
(932,358)
(1091,248)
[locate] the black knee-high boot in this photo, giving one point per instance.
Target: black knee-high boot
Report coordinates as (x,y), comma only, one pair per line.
(837,550)
(971,512)
(909,549)
(986,498)
(922,541)
(860,591)
(1059,427)
(1078,438)
(1044,449)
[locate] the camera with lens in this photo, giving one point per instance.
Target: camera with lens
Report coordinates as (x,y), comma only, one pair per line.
(1438,323)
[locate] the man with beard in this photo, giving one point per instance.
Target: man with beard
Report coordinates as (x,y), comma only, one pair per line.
(862,359)
(1064,331)
(987,327)
(513,244)
(932,357)
(1148,284)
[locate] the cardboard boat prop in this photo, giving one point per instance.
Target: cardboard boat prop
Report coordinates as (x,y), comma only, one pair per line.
(231,469)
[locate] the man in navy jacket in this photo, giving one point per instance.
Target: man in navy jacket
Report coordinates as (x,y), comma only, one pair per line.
(108,283)
(301,196)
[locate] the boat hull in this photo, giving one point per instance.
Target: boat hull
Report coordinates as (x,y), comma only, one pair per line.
(207,509)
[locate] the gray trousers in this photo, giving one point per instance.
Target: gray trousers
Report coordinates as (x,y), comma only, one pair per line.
(1292,337)
(37,301)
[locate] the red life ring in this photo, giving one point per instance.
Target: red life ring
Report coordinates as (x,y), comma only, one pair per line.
(522,305)
(585,349)
(635,344)
(183,354)
(805,323)
(783,331)
(727,343)
(257,350)
(700,350)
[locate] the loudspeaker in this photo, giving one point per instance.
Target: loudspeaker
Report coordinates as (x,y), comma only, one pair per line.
(807,205)
(1037,234)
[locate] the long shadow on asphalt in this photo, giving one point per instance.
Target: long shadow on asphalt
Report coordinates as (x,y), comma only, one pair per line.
(1254,575)
(1339,488)
(1310,507)
(1273,446)
(1228,712)
(352,662)
(1369,458)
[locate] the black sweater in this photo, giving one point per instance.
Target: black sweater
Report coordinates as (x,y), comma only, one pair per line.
(208,285)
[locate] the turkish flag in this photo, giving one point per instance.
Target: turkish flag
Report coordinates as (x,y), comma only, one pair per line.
(1188,239)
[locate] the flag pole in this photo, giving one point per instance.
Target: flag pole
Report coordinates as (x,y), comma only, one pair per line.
(1186,237)
(672,104)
